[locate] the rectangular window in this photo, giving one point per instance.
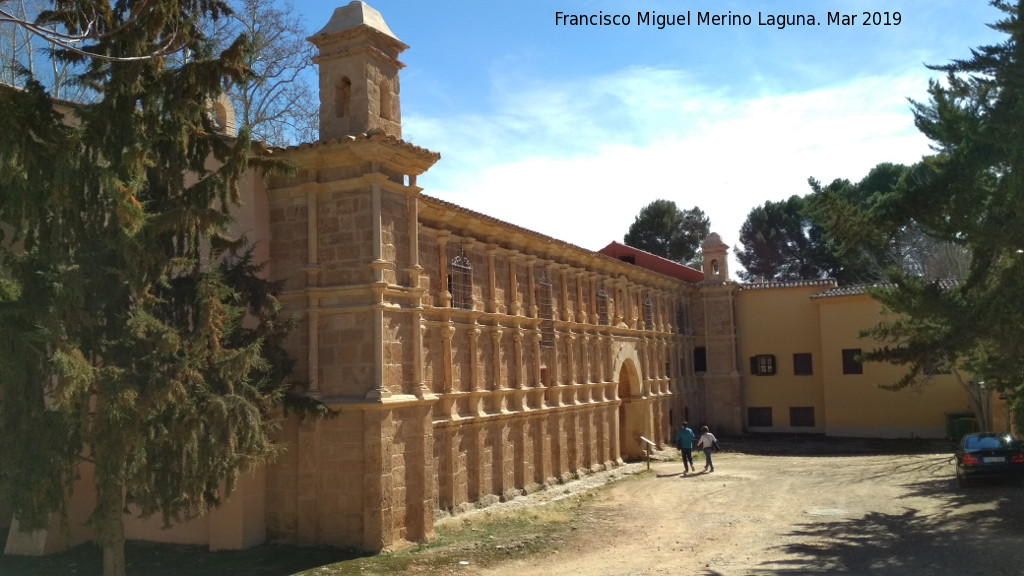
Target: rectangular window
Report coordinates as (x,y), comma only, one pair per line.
(544,294)
(801,416)
(762,365)
(759,417)
(460,282)
(802,365)
(851,361)
(602,307)
(700,359)
(648,307)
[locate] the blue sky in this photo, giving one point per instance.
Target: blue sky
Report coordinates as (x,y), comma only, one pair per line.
(570,131)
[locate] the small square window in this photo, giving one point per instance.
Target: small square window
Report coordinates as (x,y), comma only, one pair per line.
(762,365)
(801,416)
(802,365)
(851,361)
(759,417)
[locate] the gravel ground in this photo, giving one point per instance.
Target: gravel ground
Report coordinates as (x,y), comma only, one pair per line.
(788,506)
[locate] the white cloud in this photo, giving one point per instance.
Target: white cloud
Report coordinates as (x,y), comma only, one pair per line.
(578,160)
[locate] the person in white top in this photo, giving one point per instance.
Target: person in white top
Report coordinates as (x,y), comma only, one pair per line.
(707,442)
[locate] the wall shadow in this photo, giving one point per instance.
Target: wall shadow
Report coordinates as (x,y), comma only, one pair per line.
(976,531)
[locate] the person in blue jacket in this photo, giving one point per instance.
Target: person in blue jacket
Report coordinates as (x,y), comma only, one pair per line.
(684,439)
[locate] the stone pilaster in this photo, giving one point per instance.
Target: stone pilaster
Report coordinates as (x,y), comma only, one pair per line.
(515,307)
(445,297)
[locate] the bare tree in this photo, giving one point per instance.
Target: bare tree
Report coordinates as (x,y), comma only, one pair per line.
(927,257)
(279,104)
(29,47)
(15,43)
(87,25)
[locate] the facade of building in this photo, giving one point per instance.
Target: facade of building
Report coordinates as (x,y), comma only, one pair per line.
(801,342)
(467,360)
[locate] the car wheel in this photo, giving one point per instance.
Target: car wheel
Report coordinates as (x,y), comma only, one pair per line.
(961,478)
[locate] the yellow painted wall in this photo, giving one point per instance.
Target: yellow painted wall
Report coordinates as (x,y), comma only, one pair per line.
(239,522)
(854,403)
(781,321)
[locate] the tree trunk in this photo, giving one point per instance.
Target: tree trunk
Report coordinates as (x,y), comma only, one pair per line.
(110,527)
(113,557)
(976,394)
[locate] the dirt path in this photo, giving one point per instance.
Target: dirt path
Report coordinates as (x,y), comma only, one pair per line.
(878,515)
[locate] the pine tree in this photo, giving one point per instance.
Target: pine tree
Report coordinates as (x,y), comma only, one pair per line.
(781,243)
(122,342)
(969,194)
(663,229)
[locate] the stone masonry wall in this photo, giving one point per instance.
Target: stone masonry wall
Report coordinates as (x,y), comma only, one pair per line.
(513,413)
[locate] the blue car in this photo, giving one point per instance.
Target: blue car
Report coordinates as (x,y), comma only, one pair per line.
(989,455)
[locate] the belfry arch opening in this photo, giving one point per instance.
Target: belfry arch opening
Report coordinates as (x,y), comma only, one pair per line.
(343,97)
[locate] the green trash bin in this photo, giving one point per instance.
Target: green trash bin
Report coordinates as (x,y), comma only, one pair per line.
(960,423)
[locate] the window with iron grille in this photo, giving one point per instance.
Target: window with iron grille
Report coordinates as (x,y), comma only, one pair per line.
(762,365)
(543,292)
(761,416)
(802,365)
(681,318)
(801,416)
(851,361)
(648,313)
(602,307)
(460,282)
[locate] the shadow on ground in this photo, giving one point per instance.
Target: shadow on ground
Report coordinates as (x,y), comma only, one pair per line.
(169,560)
(976,531)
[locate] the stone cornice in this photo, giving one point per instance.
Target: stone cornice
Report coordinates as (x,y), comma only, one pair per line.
(465,222)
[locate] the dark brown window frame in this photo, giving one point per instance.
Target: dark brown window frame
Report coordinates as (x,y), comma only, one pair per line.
(759,416)
(763,365)
(803,364)
(850,363)
(801,416)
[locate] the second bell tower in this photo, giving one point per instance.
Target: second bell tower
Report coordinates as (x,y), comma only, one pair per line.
(359,67)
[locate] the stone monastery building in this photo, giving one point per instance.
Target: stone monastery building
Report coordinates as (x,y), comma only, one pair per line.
(468,360)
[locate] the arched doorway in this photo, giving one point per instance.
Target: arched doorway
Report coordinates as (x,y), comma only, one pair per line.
(631,412)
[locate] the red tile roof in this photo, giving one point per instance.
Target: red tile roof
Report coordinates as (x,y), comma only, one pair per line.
(652,262)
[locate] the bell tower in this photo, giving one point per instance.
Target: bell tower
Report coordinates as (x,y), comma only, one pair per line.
(716,261)
(358,59)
